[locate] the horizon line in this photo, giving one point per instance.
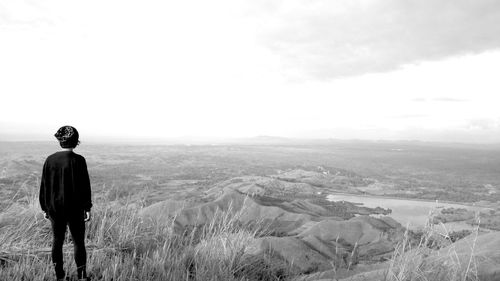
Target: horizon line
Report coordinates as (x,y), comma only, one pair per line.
(259,139)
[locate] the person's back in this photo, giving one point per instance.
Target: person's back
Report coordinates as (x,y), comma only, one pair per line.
(66,185)
(65,198)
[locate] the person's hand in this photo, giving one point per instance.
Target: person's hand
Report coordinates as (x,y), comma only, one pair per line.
(45,216)
(87,216)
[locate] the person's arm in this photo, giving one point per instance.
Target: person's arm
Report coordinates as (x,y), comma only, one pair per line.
(41,196)
(86,189)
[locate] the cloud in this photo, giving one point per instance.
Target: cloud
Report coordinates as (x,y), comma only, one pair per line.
(439,99)
(419,100)
(409,116)
(483,124)
(25,13)
(326,39)
(449,99)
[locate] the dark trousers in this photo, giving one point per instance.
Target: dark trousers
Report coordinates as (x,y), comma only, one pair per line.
(76,225)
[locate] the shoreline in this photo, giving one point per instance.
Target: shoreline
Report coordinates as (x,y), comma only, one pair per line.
(411,199)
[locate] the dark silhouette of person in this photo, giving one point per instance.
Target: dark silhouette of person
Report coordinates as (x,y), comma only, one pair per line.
(65,199)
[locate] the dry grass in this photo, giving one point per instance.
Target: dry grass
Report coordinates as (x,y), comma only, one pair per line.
(123,246)
(422,262)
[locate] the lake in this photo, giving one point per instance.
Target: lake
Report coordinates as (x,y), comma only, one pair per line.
(411,213)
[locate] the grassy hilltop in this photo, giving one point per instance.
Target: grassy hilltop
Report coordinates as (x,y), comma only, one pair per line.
(252,213)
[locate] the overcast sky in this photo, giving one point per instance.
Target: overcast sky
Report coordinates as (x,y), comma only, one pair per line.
(366,69)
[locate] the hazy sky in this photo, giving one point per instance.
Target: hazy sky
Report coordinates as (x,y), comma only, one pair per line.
(368,69)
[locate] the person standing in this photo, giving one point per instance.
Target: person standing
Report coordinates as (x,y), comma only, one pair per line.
(65,199)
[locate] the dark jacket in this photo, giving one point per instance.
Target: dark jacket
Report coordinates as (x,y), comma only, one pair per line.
(65,185)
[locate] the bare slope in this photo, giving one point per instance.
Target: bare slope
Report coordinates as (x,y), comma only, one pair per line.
(302,232)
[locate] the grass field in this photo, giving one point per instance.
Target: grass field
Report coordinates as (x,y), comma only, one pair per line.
(126,178)
(123,246)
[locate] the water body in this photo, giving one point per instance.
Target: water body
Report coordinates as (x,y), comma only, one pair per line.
(411,213)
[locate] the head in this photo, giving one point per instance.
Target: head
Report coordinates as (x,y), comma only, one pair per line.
(67,137)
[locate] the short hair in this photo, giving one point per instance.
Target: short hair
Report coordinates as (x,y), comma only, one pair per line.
(67,137)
